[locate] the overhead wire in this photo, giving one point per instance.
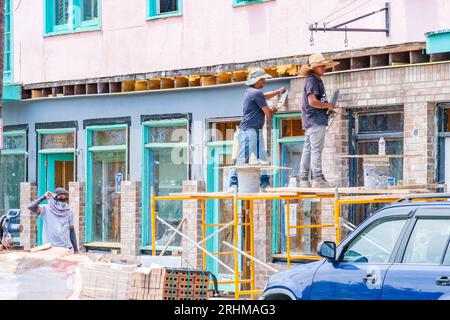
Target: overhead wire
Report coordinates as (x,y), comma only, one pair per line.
(345,13)
(336,10)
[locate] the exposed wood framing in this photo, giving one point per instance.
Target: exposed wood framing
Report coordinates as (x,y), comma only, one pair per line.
(409,53)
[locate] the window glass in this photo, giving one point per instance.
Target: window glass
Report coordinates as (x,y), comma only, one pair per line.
(223,131)
(108,170)
(58,141)
(172,134)
(368,123)
(393,147)
(90,9)
(61,12)
(168,176)
(166,6)
(12,173)
(375,243)
(428,242)
(291,127)
(446,261)
(14,142)
(109,138)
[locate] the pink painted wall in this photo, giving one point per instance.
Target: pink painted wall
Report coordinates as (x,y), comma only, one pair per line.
(209,32)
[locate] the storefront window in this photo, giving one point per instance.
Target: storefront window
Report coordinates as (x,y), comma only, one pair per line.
(370,127)
(12,172)
(107,168)
(166,167)
(288,148)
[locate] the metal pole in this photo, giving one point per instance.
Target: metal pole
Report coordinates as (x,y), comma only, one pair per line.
(250,257)
(153,226)
(171,238)
(288,233)
(194,243)
(337,214)
(203,233)
(229,224)
(252,247)
(236,243)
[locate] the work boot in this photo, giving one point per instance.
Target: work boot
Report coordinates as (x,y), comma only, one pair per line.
(320,182)
(304,183)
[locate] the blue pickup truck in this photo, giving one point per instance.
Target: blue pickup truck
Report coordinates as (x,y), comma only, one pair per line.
(400,252)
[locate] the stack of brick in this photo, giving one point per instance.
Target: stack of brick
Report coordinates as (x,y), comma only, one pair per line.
(168,284)
(106,281)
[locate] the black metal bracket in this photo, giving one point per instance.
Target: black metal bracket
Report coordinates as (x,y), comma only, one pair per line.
(386,10)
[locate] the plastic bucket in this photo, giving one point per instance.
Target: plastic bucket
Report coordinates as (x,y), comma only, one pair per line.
(376,173)
(248,180)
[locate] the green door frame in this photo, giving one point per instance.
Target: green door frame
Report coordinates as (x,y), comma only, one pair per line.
(90,151)
(147,172)
(55,155)
(277,142)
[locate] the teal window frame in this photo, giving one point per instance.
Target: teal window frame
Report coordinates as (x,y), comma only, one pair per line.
(89,157)
(41,164)
(153,11)
(147,148)
(17,152)
(276,147)
(240,3)
(8,52)
(75,23)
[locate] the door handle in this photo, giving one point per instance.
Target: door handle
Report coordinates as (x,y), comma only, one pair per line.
(443,281)
(370,278)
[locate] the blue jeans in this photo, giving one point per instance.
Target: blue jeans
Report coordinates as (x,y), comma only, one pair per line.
(250,141)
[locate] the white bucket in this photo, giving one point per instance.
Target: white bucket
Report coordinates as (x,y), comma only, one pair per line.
(376,173)
(248,180)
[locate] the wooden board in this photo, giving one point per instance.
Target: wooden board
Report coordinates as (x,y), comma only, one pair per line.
(41,248)
(213,195)
(349,191)
(108,245)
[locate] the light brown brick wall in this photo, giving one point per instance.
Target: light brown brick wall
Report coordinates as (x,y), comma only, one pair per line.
(28,237)
(77,203)
(193,225)
(130,220)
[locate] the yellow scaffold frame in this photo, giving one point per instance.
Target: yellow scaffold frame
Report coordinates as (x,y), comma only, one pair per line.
(203,197)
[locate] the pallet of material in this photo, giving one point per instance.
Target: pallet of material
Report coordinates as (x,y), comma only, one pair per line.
(170,284)
(105,281)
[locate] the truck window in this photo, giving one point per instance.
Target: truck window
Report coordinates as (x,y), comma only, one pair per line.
(375,243)
(428,242)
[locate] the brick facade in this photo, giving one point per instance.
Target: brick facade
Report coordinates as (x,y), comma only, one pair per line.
(77,203)
(130,220)
(28,237)
(192,228)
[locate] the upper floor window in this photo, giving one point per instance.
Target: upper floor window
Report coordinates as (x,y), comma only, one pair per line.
(164,8)
(66,16)
(7,69)
(245,2)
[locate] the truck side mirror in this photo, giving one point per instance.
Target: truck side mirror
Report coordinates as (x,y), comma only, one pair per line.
(327,249)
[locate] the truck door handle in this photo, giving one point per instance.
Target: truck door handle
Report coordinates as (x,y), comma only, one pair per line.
(370,278)
(443,281)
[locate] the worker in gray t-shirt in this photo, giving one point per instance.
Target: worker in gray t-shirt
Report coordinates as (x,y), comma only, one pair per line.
(315,110)
(58,229)
(250,136)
